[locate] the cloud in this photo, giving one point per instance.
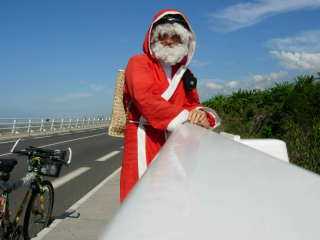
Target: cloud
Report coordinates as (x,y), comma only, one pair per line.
(307,41)
(96,87)
(269,77)
(209,88)
(213,85)
(72,96)
(83,82)
(92,86)
(298,52)
(233,84)
(267,80)
(243,15)
(298,60)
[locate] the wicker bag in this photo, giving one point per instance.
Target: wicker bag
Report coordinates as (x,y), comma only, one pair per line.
(118,118)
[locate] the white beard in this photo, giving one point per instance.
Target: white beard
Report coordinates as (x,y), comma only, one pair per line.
(169,55)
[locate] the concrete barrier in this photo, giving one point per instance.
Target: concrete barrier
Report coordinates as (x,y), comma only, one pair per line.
(207,186)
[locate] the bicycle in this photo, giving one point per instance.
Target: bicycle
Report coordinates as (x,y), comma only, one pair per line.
(39,196)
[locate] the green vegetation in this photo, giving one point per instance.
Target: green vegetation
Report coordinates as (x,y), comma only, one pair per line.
(287,111)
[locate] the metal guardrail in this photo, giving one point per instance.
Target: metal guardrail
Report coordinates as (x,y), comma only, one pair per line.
(11,127)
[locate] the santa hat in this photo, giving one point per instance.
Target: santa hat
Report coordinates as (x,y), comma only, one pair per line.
(172,18)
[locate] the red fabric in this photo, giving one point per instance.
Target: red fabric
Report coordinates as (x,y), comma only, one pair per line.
(211,120)
(145,81)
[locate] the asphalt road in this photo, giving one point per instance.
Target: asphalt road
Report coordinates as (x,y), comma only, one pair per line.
(95,157)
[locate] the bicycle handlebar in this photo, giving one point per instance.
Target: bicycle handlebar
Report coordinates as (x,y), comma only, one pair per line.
(54,155)
(70,156)
(46,154)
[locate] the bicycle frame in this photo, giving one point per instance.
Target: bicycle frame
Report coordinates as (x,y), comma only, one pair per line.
(38,165)
(12,228)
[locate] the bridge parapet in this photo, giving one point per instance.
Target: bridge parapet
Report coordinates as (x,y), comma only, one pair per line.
(207,186)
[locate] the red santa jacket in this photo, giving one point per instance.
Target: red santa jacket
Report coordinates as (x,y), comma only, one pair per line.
(156,103)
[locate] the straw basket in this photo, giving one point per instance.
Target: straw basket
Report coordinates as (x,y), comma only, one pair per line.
(118,118)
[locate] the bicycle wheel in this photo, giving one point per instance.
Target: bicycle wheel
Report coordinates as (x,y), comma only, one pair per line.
(39,210)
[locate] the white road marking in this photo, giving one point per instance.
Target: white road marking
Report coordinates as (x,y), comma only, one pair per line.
(68,177)
(54,134)
(41,137)
(8,142)
(106,157)
(41,235)
(62,134)
(71,140)
(4,154)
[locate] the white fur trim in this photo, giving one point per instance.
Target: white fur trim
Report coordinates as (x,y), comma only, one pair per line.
(179,119)
(168,70)
(176,52)
(169,55)
(142,158)
(171,29)
(167,94)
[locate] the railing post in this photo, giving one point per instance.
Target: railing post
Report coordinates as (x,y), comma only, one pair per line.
(14,126)
(69,123)
(52,124)
(83,122)
(61,125)
(41,126)
(77,123)
(29,127)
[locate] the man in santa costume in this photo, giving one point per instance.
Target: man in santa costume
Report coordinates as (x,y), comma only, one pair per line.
(159,94)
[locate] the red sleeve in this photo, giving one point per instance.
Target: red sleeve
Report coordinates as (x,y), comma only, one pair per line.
(211,120)
(145,94)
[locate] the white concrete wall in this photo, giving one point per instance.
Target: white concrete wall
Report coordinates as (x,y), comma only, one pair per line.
(206,186)
(274,147)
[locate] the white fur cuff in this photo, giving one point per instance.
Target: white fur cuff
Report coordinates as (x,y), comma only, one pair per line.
(179,119)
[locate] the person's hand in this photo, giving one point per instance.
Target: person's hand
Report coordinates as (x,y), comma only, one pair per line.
(198,117)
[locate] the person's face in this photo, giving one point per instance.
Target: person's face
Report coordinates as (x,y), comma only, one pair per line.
(170,41)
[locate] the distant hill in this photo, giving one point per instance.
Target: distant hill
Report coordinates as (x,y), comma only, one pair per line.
(287,111)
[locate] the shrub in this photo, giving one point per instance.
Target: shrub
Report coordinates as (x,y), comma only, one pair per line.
(287,111)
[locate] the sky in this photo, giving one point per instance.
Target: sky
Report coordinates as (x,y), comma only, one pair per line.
(60,58)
